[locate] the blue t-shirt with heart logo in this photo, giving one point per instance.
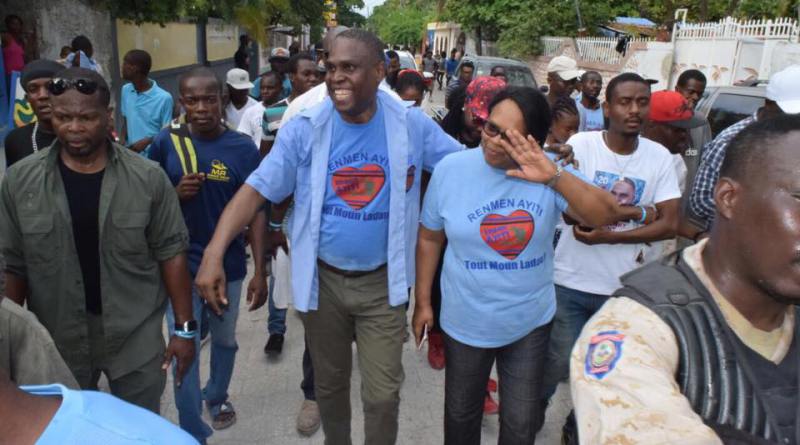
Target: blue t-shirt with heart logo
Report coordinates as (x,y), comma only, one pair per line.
(497,280)
(354,228)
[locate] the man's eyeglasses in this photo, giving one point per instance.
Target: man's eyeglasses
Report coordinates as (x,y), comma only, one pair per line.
(58,86)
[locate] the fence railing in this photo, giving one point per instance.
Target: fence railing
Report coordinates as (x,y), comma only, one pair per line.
(783,28)
(551,45)
(602,49)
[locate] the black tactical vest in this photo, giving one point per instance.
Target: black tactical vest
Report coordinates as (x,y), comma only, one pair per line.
(734,389)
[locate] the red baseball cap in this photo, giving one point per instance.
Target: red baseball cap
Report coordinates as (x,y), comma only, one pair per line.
(671,108)
(480,93)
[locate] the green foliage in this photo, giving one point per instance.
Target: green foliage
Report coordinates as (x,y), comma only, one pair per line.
(402,22)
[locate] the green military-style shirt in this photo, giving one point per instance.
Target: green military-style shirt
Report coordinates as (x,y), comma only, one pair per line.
(140,225)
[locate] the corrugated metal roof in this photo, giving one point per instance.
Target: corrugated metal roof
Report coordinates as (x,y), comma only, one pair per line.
(636,21)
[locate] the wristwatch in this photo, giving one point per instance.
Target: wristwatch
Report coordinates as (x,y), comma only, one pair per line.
(188,327)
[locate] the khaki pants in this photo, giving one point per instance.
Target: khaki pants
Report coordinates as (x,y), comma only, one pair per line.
(356,307)
(142,386)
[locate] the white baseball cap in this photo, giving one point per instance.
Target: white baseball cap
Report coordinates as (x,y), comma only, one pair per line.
(565,67)
(784,88)
(239,79)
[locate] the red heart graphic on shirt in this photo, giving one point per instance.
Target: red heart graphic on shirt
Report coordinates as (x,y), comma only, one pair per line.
(358,186)
(508,235)
(410,177)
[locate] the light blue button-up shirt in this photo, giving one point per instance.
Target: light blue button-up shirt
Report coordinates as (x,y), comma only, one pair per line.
(298,164)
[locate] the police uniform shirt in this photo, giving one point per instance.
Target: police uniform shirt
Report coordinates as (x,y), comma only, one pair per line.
(623,366)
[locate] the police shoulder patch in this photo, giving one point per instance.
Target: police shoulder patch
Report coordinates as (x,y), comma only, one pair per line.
(605,349)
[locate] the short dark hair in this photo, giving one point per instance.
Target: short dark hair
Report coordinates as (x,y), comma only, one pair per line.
(75,73)
(278,77)
(294,61)
(591,72)
(82,43)
(392,54)
(453,51)
(564,106)
(370,40)
(200,71)
(534,107)
(622,78)
(468,64)
(496,67)
(692,74)
(746,149)
(141,59)
(409,79)
(11,17)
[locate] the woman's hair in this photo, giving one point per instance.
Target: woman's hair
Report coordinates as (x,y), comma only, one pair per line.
(534,108)
(453,122)
(409,78)
(562,107)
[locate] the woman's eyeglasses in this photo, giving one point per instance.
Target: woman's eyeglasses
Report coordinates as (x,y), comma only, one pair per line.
(58,86)
(493,130)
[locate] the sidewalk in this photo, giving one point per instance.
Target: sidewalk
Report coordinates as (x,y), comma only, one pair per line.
(267,395)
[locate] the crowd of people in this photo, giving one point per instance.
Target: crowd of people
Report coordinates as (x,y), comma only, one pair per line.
(539,234)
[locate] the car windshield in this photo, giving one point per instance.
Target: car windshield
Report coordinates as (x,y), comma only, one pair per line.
(517,76)
(407,62)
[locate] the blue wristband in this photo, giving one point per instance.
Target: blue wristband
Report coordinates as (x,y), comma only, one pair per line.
(275,226)
(644,214)
(186,335)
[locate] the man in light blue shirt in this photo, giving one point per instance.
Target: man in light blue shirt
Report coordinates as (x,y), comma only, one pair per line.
(146,108)
(588,102)
(54,414)
(353,164)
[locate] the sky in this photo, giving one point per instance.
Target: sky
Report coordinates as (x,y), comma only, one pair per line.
(368,5)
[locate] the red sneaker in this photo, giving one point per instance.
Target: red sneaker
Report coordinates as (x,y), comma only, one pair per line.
(489,405)
(436,350)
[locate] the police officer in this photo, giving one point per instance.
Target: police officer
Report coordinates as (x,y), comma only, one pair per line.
(701,346)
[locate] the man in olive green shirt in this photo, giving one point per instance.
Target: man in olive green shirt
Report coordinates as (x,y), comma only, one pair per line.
(94,240)
(27,353)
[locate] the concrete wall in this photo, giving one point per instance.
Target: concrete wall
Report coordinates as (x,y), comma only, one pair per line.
(171,46)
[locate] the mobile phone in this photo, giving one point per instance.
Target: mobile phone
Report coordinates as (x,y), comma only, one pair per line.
(424,337)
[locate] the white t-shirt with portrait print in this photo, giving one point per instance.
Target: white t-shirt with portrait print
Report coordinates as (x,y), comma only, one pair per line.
(645,177)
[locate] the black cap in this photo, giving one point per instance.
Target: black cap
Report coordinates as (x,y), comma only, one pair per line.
(38,69)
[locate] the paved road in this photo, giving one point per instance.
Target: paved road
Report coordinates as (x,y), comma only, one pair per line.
(266,393)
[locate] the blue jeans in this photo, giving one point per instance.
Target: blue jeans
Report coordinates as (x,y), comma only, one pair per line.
(573,309)
(188,397)
(276,321)
(520,366)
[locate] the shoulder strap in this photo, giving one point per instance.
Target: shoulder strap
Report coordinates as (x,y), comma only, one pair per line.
(182,142)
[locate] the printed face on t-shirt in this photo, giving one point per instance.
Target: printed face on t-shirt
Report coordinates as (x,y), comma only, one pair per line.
(627,190)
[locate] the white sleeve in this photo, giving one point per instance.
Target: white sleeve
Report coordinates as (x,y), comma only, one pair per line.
(622,381)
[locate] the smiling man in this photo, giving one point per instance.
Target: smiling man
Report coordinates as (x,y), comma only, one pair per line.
(353,230)
(94,242)
(589,262)
(38,135)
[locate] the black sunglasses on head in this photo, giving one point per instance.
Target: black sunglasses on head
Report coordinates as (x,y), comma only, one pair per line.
(58,86)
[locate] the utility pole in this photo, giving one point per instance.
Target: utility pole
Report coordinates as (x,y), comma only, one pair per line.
(578,11)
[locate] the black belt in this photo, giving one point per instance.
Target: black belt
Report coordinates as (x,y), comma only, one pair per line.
(348,273)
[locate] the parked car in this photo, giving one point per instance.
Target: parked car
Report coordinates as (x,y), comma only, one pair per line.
(407,60)
(724,106)
(518,73)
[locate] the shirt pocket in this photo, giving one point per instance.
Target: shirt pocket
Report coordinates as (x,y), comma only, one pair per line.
(130,233)
(40,240)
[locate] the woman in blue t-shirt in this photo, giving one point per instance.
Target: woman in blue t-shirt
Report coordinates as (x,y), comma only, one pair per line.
(498,207)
